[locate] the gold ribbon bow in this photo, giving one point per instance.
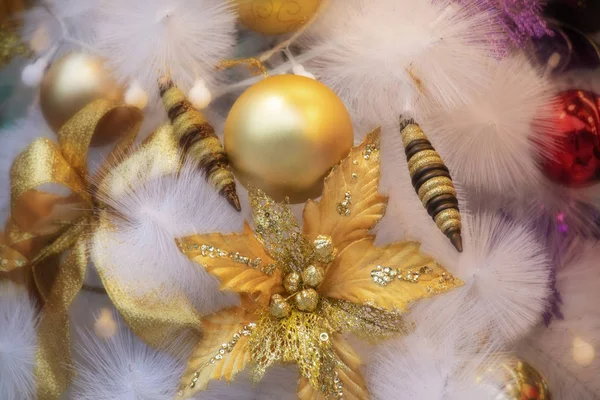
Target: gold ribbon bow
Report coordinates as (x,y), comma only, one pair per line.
(55,210)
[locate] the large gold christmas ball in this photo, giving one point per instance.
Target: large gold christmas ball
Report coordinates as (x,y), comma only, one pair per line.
(73,82)
(514,379)
(284,134)
(275,17)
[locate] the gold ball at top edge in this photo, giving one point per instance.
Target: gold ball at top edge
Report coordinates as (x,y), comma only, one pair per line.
(71,83)
(514,379)
(313,275)
(284,134)
(307,300)
(275,17)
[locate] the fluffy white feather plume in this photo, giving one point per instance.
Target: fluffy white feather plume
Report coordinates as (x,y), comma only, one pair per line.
(122,367)
(279,383)
(146,39)
(507,276)
(13,140)
(567,352)
(384,57)
(66,24)
(142,253)
(18,342)
(415,367)
(488,142)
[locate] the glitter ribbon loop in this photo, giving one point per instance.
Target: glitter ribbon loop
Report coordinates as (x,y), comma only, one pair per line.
(46,223)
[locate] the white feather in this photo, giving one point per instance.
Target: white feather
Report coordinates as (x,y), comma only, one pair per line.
(142,253)
(385,57)
(18,342)
(146,39)
(66,24)
(279,383)
(415,367)
(567,352)
(13,140)
(124,368)
(506,274)
(488,142)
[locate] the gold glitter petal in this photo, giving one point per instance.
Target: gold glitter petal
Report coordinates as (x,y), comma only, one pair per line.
(221,331)
(367,205)
(235,276)
(348,277)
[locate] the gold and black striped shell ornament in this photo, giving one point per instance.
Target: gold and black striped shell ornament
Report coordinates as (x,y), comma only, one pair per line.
(198,141)
(432,181)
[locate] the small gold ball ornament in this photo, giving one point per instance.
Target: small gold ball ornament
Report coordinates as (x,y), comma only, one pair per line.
(313,275)
(275,17)
(291,282)
(307,300)
(284,134)
(324,250)
(279,308)
(73,82)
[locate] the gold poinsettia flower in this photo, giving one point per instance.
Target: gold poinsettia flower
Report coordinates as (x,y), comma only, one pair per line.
(303,288)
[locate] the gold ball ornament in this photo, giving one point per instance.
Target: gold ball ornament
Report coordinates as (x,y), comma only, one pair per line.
(514,379)
(284,134)
(73,82)
(291,282)
(276,17)
(313,275)
(307,300)
(279,308)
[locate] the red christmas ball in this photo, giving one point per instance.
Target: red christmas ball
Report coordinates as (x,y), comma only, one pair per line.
(573,156)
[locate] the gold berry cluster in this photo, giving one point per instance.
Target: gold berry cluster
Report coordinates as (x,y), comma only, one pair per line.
(301,287)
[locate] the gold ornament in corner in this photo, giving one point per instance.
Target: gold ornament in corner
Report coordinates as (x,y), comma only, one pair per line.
(303,288)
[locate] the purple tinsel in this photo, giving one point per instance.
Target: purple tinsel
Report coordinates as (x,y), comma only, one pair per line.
(520,20)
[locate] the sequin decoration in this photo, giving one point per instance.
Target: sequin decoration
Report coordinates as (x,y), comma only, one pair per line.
(225,348)
(343,207)
(384,276)
(213,252)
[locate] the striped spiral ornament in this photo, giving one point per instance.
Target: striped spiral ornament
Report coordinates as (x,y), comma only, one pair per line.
(432,181)
(198,141)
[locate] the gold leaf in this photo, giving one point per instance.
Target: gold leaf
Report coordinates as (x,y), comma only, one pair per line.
(349,276)
(222,352)
(364,321)
(356,181)
(353,384)
(238,260)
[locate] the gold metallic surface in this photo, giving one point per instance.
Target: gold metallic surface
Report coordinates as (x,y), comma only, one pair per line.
(423,162)
(307,300)
(291,282)
(275,17)
(412,132)
(511,378)
(313,275)
(437,192)
(279,308)
(284,134)
(428,190)
(198,141)
(73,82)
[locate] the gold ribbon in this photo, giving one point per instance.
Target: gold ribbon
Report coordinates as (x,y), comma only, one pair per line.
(48,232)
